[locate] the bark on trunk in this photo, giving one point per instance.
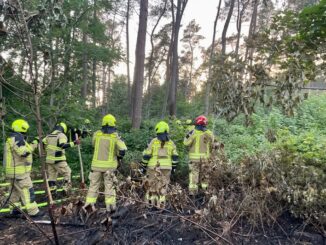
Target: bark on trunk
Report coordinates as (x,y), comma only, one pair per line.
(252,30)
(167,76)
(226,27)
(84,76)
(128,54)
(139,66)
(104,84)
(33,74)
(211,56)
(172,102)
(108,90)
(239,27)
(151,61)
(189,82)
(94,66)
(94,83)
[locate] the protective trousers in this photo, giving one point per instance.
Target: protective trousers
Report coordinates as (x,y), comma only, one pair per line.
(22,190)
(61,168)
(96,178)
(198,176)
(158,181)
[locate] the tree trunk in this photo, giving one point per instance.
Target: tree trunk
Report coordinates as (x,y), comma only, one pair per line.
(239,27)
(211,56)
(172,102)
(139,65)
(104,85)
(94,66)
(94,83)
(226,26)
(167,75)
(108,90)
(35,86)
(188,84)
(128,54)
(252,30)
(151,61)
(84,76)
(67,56)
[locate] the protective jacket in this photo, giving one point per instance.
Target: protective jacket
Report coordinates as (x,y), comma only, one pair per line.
(190,128)
(108,148)
(200,144)
(55,145)
(164,153)
(18,156)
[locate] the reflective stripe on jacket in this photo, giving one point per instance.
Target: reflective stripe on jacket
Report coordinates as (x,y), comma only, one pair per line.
(18,157)
(200,144)
(165,155)
(107,148)
(52,142)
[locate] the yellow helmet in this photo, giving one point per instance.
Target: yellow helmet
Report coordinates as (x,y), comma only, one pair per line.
(189,122)
(109,120)
(162,127)
(178,122)
(87,121)
(64,126)
(20,126)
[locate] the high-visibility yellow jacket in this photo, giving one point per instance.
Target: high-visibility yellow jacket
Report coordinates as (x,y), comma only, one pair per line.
(200,144)
(156,153)
(107,149)
(55,145)
(18,157)
(190,128)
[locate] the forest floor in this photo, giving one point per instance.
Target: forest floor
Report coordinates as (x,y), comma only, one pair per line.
(136,224)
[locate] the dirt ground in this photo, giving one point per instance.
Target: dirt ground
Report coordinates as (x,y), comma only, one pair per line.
(136,224)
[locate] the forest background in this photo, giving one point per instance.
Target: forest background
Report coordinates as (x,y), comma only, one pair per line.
(59,61)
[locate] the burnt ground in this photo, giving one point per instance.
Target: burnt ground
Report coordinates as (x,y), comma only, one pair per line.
(136,224)
(187,222)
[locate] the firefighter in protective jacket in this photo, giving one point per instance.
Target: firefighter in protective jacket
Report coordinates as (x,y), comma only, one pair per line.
(109,149)
(199,141)
(55,145)
(159,159)
(18,161)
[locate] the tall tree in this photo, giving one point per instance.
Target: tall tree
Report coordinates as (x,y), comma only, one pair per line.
(177,14)
(139,66)
(211,56)
(128,52)
(190,41)
(154,62)
(252,31)
(242,6)
(226,26)
(85,68)
(94,63)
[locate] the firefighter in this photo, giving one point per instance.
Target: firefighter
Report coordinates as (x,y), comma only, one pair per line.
(199,141)
(109,149)
(18,161)
(55,145)
(159,159)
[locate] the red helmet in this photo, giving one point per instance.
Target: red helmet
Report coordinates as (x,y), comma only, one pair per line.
(201,120)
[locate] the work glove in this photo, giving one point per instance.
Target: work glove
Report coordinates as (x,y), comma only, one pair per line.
(74,134)
(77,142)
(36,140)
(174,169)
(143,168)
(189,134)
(119,162)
